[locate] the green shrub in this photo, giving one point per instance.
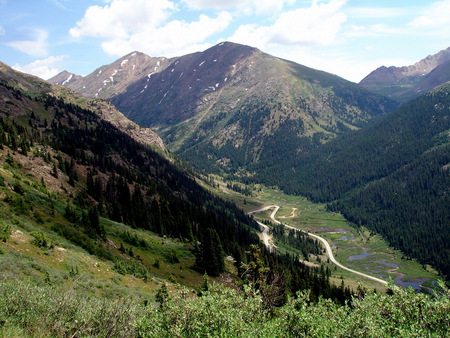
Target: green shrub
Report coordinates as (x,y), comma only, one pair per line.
(41,240)
(55,312)
(131,268)
(5,231)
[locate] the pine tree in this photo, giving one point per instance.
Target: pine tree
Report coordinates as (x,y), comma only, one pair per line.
(210,255)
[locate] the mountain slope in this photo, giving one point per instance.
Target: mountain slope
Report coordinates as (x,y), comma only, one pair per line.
(404,83)
(222,108)
(75,181)
(33,87)
(100,169)
(392,177)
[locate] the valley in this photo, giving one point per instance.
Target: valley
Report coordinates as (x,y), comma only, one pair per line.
(356,248)
(265,187)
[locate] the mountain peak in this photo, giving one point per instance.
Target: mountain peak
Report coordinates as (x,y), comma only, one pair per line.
(405,82)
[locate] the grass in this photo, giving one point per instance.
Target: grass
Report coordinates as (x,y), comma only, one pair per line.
(64,263)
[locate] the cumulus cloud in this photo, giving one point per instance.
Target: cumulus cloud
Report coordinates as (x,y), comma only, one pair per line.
(143,25)
(174,38)
(122,17)
(246,7)
(218,4)
(316,25)
(375,12)
(44,68)
(36,47)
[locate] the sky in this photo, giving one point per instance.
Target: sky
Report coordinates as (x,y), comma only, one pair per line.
(349,38)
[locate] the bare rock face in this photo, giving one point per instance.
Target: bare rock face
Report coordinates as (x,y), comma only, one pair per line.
(109,113)
(407,82)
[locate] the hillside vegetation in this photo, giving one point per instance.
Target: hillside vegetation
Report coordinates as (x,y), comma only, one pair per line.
(220,312)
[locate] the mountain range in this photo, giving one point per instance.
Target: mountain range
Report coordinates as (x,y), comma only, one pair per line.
(82,185)
(224,107)
(407,82)
(237,110)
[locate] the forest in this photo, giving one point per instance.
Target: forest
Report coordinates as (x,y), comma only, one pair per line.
(391,177)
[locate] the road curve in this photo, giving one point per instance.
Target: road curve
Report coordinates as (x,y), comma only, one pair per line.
(324,241)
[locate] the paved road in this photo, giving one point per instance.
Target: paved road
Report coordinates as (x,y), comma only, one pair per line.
(324,241)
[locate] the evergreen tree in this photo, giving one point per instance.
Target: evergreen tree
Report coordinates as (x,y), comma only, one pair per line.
(210,255)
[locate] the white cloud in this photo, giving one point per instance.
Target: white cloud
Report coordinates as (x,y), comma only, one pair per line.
(122,17)
(45,68)
(175,38)
(435,19)
(246,7)
(218,4)
(375,12)
(316,25)
(128,25)
(36,47)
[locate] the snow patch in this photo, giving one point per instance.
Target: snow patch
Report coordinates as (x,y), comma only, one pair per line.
(221,44)
(100,71)
(217,85)
(163,97)
(215,60)
(201,63)
(172,70)
(123,63)
(225,80)
(133,54)
(134,67)
(181,75)
(115,72)
(68,80)
(158,63)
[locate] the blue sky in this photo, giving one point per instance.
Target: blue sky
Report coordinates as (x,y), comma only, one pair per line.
(349,38)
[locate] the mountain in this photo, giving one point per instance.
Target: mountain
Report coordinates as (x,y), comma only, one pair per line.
(83,200)
(102,108)
(230,105)
(65,78)
(392,177)
(404,83)
(112,79)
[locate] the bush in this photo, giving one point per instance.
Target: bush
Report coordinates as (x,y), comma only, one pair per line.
(41,240)
(54,312)
(5,231)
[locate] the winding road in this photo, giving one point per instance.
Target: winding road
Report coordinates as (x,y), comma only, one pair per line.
(324,241)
